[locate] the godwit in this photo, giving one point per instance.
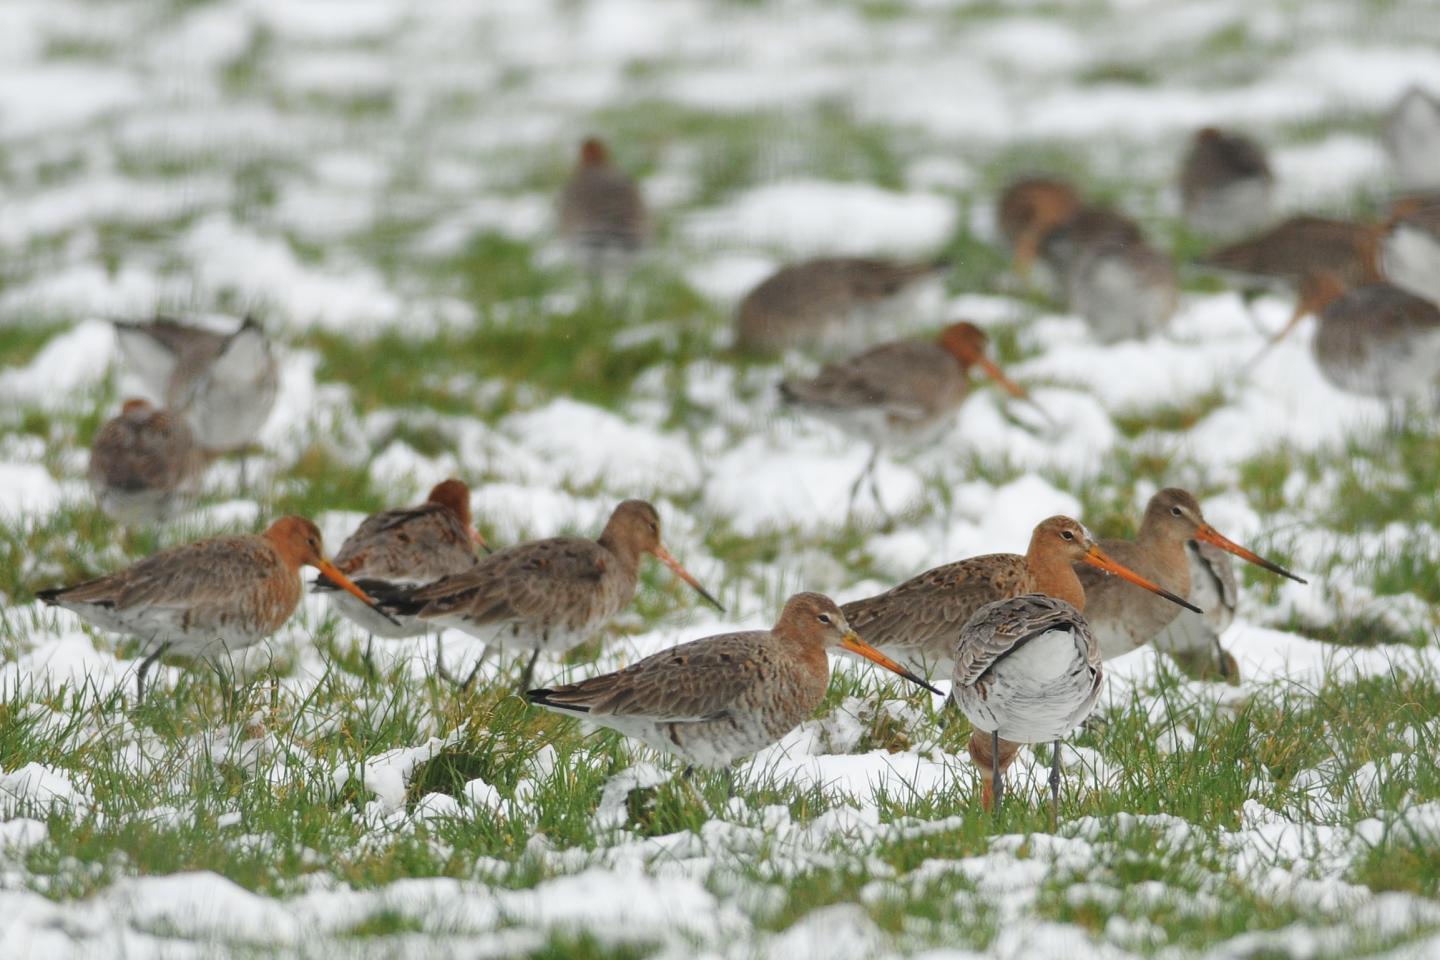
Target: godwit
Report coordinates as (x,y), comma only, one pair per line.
(901,393)
(829,303)
(1124,620)
(1291,250)
(1374,340)
(143,464)
(1410,249)
(602,212)
(1412,134)
(410,546)
(546,595)
(1123,290)
(1226,186)
(711,701)
(918,621)
(197,600)
(1193,639)
(1028,210)
(1027,670)
(224,384)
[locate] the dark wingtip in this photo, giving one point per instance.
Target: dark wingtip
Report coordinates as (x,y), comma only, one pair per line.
(49,597)
(787,392)
(540,697)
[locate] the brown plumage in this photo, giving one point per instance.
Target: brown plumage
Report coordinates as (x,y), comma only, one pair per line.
(411,545)
(919,621)
(827,302)
(205,598)
(1193,639)
(546,594)
(711,701)
(1124,620)
(1226,186)
(602,212)
(1290,251)
(144,464)
(1029,209)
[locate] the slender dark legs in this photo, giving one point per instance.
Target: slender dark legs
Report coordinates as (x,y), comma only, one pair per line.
(1055,785)
(145,666)
(997,782)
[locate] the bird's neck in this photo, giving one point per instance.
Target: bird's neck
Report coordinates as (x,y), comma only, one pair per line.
(1053,576)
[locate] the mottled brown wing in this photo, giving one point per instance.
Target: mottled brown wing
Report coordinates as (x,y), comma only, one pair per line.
(1298,246)
(604,205)
(903,377)
(182,577)
(523,581)
(698,680)
(999,629)
(926,612)
(155,453)
(416,544)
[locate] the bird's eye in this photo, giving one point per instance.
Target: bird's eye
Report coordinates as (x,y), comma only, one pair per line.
(824,618)
(1067,535)
(1175,511)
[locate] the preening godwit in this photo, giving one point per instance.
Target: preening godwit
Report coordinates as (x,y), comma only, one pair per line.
(1295,248)
(1374,340)
(902,393)
(1193,639)
(144,464)
(1412,135)
(546,595)
(602,212)
(1027,670)
(1226,187)
(1122,619)
(833,303)
(409,546)
(1123,290)
(1410,249)
(918,621)
(205,598)
(224,384)
(1028,210)
(709,702)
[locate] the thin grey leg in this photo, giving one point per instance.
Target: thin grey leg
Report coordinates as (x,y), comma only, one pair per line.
(145,666)
(529,673)
(997,785)
(1055,785)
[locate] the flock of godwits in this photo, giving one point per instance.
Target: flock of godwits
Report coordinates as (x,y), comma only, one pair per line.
(1023,637)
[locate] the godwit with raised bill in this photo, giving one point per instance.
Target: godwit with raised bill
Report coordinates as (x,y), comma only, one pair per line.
(1193,639)
(1375,340)
(143,464)
(224,384)
(1027,670)
(1291,250)
(602,212)
(1226,187)
(408,546)
(1412,134)
(1410,249)
(902,393)
(1123,620)
(917,622)
(832,304)
(710,702)
(1123,290)
(545,595)
(207,597)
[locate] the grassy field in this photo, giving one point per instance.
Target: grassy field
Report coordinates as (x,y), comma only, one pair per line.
(375,183)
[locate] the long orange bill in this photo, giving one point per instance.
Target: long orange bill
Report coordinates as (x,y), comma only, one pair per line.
(479,541)
(345,583)
(1098,558)
(992,370)
(855,645)
(664,557)
(1210,535)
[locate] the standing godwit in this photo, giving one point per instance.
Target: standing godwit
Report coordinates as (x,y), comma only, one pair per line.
(602,212)
(832,303)
(1297,247)
(409,546)
(1124,620)
(1412,134)
(224,384)
(711,701)
(143,464)
(207,597)
(545,595)
(901,393)
(1193,639)
(1123,290)
(1226,186)
(1410,249)
(1027,670)
(918,621)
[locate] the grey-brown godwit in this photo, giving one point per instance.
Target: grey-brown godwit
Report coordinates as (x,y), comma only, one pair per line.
(1412,135)
(144,464)
(1226,186)
(603,216)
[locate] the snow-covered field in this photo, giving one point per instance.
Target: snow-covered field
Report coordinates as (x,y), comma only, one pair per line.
(374,179)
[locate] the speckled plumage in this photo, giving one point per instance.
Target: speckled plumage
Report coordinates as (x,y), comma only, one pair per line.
(829,302)
(224,384)
(144,464)
(602,211)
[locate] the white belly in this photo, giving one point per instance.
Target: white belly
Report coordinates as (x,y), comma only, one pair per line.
(1037,694)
